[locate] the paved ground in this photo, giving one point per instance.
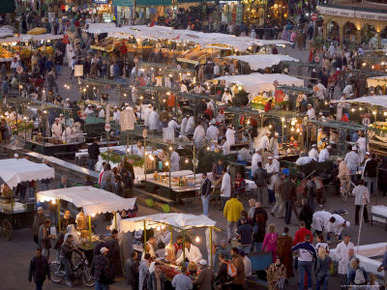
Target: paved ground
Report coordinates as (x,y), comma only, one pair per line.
(15,254)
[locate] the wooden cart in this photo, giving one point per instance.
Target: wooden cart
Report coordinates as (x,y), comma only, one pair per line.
(14,219)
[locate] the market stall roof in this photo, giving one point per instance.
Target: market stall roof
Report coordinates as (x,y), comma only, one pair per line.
(179,221)
(28,37)
(168,33)
(262,61)
(14,171)
(369,100)
(92,200)
(377,81)
(256,83)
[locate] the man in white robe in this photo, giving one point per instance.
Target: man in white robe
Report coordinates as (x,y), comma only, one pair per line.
(56,129)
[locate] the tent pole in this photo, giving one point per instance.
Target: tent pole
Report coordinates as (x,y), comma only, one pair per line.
(144,237)
(212,259)
(183,247)
(115,220)
(59,221)
(90,228)
(170,230)
(359,233)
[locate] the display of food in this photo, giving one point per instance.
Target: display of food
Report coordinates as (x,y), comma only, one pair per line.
(169,271)
(5,53)
(37,31)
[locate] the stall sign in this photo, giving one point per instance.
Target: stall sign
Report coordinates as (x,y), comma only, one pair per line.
(108,127)
(314,17)
(78,70)
(101,1)
(366,121)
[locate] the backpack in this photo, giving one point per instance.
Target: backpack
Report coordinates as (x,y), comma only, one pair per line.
(359,277)
(231,269)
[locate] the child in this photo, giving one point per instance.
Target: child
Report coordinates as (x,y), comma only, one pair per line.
(321,243)
(251,211)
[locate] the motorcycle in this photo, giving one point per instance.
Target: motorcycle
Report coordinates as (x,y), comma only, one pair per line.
(80,271)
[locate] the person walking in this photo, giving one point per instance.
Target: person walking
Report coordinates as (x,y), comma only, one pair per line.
(245,232)
(38,221)
(342,250)
(362,198)
(276,275)
(357,274)
(143,271)
(182,281)
(237,260)
(279,202)
(206,276)
(100,269)
(260,219)
(114,257)
(290,196)
(205,191)
(284,251)
(131,270)
(39,269)
(94,152)
(306,214)
(225,188)
(232,213)
(306,255)
(260,179)
(270,242)
(45,238)
(322,269)
(299,237)
(370,171)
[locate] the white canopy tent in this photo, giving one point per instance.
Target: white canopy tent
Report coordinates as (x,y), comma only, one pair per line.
(181,222)
(13,171)
(6,30)
(28,37)
(177,220)
(92,200)
(262,61)
(377,81)
(162,32)
(368,100)
(256,83)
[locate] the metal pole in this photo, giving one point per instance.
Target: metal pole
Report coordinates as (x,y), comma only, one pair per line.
(58,207)
(115,220)
(361,222)
(183,247)
(89,228)
(170,230)
(144,158)
(144,236)
(212,258)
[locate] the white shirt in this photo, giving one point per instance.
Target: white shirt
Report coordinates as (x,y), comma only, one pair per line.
(313,154)
(216,70)
(304,160)
(264,143)
(348,90)
(175,161)
(341,252)
(362,196)
(89,111)
(225,187)
(244,155)
(183,126)
(320,220)
(274,146)
(116,115)
(183,88)
(324,155)
(190,125)
(311,114)
(56,130)
(101,113)
(226,148)
(212,133)
(173,125)
(226,97)
(66,135)
(154,120)
(362,144)
(337,226)
(352,160)
(248,266)
(193,255)
(230,136)
(254,162)
(199,134)
(145,115)
(271,168)
(321,91)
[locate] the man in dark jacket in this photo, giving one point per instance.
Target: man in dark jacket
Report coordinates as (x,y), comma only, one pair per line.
(260,179)
(222,276)
(114,257)
(260,219)
(39,269)
(94,152)
(205,191)
(131,270)
(100,269)
(306,214)
(290,196)
(370,174)
(38,221)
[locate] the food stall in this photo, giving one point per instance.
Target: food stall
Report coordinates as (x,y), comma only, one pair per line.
(91,201)
(183,223)
(15,214)
(377,84)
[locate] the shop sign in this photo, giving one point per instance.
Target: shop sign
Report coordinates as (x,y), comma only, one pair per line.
(123,3)
(366,121)
(108,127)
(336,12)
(101,1)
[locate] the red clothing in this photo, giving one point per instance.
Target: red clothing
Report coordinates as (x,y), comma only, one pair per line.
(300,236)
(100,177)
(267,107)
(177,247)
